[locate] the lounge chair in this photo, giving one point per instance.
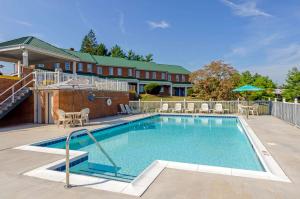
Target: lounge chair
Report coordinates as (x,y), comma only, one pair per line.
(62,118)
(177,108)
(123,110)
(190,108)
(204,108)
(164,108)
(254,109)
(218,108)
(129,110)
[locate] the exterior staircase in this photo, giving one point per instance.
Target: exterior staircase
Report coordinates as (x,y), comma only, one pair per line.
(15,94)
(7,106)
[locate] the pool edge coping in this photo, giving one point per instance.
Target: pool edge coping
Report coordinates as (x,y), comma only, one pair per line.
(141,183)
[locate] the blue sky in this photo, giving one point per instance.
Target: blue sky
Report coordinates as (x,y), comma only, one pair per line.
(257,35)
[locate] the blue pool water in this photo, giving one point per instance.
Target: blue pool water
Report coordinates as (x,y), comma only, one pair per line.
(216,141)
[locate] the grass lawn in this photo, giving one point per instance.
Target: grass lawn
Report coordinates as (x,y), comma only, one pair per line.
(147,97)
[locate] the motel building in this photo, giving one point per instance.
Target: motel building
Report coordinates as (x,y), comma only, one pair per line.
(48,78)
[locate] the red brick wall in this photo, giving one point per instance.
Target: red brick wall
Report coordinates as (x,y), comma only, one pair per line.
(5,84)
(105,70)
(23,113)
(70,101)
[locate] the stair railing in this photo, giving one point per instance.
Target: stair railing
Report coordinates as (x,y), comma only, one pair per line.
(16,88)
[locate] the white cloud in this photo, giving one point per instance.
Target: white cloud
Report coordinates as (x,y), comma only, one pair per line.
(158,24)
(247,9)
(121,23)
(23,23)
(289,55)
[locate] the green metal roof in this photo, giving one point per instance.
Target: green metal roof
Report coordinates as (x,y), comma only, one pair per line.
(139,65)
(100,60)
(84,57)
(36,43)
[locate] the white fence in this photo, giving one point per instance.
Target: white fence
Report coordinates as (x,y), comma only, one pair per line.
(286,111)
(232,106)
(44,79)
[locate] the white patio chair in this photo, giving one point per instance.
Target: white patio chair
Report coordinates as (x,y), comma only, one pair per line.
(190,108)
(218,108)
(84,116)
(177,108)
(62,118)
(254,109)
(123,110)
(240,109)
(164,108)
(204,108)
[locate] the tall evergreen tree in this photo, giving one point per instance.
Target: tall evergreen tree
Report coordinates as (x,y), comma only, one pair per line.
(92,36)
(89,43)
(101,50)
(116,51)
(86,45)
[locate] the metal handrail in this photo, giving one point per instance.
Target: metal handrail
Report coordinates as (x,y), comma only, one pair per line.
(15,84)
(13,89)
(68,154)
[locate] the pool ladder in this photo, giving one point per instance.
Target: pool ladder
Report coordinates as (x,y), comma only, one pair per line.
(68,153)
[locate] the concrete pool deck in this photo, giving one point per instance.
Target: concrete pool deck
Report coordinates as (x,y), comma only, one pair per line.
(281,139)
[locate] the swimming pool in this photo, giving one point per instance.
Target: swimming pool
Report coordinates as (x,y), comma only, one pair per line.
(214,141)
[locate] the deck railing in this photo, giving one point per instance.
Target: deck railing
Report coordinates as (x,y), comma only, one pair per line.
(231,106)
(289,112)
(44,79)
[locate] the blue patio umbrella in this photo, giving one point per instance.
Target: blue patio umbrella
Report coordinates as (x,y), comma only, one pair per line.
(247,88)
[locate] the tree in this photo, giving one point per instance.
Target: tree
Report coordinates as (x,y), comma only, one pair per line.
(259,81)
(152,88)
(86,46)
(215,81)
(92,36)
(89,43)
(292,87)
(116,51)
(131,55)
(101,50)
(149,58)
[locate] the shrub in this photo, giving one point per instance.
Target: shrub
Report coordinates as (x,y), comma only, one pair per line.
(152,88)
(190,91)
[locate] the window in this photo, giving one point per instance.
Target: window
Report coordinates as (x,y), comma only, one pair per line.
(162,89)
(56,65)
(163,75)
(40,65)
(119,71)
(130,72)
(177,78)
(67,66)
(153,75)
(80,67)
(137,74)
(147,75)
(111,71)
(169,78)
(183,78)
(90,68)
(141,90)
(99,70)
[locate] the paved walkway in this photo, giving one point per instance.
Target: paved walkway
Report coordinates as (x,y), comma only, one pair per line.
(280,138)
